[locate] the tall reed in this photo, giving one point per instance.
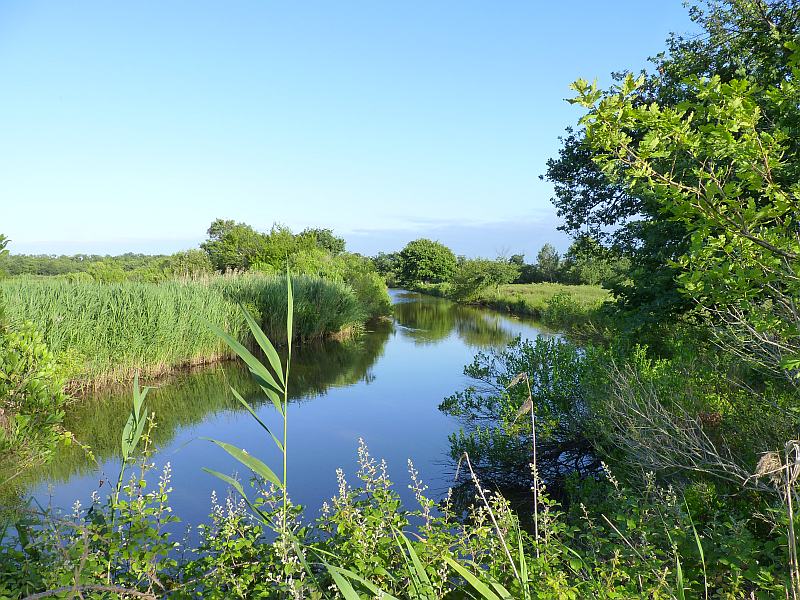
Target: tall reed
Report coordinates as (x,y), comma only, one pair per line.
(114,330)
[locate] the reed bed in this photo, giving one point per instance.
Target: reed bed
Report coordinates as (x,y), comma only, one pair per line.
(110,331)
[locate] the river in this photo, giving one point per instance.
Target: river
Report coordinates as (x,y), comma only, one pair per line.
(384,387)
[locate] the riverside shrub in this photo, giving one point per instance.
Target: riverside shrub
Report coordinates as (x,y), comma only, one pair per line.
(31,395)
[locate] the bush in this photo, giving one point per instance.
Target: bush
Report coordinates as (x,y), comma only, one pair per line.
(475,276)
(31,395)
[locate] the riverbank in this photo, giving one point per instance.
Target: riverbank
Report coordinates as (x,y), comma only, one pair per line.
(557,305)
(104,333)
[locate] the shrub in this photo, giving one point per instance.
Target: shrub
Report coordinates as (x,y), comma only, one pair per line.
(31,395)
(475,276)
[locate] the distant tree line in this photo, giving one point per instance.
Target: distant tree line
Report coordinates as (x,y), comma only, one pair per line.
(230,247)
(425,261)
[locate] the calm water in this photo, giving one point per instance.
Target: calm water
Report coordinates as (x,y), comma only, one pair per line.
(384,387)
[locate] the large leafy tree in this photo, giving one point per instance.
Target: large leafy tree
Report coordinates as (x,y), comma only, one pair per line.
(722,164)
(425,261)
(232,245)
(325,240)
(739,39)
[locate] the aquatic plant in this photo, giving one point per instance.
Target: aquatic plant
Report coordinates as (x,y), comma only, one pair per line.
(114,330)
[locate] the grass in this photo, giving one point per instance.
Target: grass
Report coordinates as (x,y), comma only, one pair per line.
(533,298)
(556,304)
(110,331)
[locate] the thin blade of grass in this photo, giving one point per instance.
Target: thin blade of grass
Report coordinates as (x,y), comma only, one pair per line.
(699,547)
(418,567)
(374,589)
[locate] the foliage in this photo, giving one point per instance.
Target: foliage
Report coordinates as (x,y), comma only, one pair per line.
(739,40)
(715,165)
(237,246)
(325,240)
(106,272)
(425,261)
(560,306)
(232,245)
(589,262)
(548,261)
(31,396)
(386,264)
(43,264)
(626,543)
(492,433)
(188,263)
(474,276)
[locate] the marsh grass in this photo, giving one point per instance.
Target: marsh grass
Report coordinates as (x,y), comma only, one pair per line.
(110,331)
(555,304)
(534,298)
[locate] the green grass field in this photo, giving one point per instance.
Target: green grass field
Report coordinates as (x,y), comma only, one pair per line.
(532,298)
(535,299)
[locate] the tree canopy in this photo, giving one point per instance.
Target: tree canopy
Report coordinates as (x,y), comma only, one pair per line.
(716,163)
(426,261)
(741,40)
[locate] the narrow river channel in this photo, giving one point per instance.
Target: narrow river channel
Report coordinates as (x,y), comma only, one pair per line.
(385,387)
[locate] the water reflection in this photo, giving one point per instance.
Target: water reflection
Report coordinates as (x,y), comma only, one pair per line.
(195,395)
(384,386)
(428,320)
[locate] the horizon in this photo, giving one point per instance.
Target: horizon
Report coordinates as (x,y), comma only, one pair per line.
(131,129)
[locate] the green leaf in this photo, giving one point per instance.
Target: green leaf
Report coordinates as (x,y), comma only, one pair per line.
(269,393)
(229,480)
(344,586)
(252,362)
(476,583)
(422,581)
(263,341)
(127,436)
(238,487)
(249,461)
(249,409)
(355,577)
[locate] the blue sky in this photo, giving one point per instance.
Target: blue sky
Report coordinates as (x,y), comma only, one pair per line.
(131,126)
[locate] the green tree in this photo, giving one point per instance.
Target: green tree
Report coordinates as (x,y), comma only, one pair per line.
(517,259)
(474,276)
(106,271)
(232,245)
(588,262)
(425,261)
(548,262)
(325,240)
(739,38)
(189,263)
(723,164)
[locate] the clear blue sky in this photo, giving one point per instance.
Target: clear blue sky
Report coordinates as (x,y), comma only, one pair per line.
(131,126)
